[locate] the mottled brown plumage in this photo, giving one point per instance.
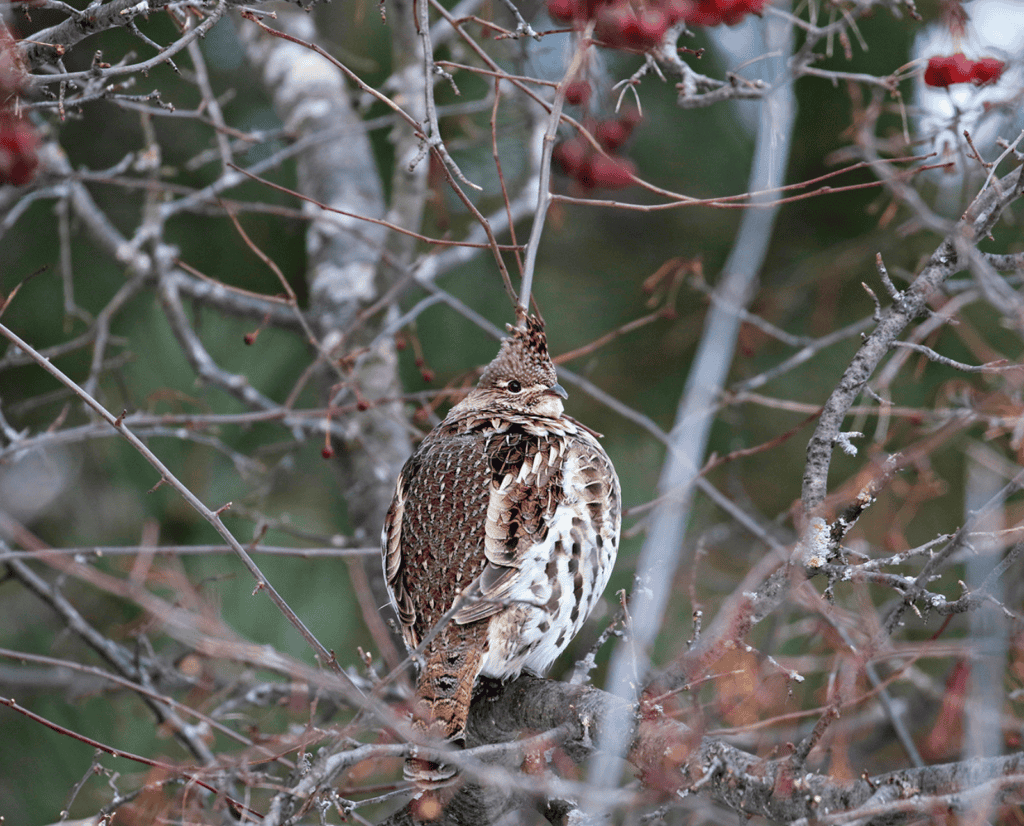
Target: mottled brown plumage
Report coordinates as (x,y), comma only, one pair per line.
(501,536)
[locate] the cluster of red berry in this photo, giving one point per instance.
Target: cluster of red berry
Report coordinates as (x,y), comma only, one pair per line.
(641,25)
(626,24)
(956,68)
(18,139)
(593,170)
(716,12)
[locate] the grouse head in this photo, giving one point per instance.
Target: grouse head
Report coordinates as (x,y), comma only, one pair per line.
(522,377)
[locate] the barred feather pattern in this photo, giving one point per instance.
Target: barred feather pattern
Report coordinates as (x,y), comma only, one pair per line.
(500,540)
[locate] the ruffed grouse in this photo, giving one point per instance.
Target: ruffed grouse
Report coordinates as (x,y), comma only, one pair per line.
(500,539)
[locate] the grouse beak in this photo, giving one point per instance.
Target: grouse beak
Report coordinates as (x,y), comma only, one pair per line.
(557,390)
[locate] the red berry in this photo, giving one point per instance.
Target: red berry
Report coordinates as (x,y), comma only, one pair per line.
(961,69)
(987,70)
(631,117)
(577,93)
(570,155)
(612,24)
(936,73)
(574,11)
(703,14)
(945,71)
(327,452)
(562,10)
(250,338)
(631,34)
(714,12)
(584,173)
(619,26)
(18,144)
(732,13)
(653,25)
(611,134)
(744,7)
(612,173)
(677,10)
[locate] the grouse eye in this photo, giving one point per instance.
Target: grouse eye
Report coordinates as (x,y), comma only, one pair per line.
(513,386)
